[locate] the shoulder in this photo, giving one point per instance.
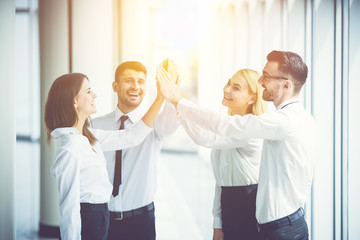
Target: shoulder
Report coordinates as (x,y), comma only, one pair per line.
(103,121)
(68,150)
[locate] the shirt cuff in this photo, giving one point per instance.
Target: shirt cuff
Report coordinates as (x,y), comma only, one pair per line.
(217,223)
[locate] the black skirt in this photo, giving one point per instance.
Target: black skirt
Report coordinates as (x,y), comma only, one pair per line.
(94,221)
(238,212)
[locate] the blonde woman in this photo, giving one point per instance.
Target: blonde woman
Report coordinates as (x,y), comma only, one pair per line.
(289,136)
(235,162)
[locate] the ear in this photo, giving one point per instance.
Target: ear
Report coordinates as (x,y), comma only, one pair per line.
(252,100)
(75,103)
(115,86)
(287,85)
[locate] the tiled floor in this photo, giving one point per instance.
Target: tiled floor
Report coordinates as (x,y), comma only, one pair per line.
(183,200)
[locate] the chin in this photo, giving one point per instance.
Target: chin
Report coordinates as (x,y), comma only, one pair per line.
(224,102)
(93,111)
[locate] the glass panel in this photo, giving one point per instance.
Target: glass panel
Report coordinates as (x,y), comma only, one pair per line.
(354,119)
(22,4)
(23,106)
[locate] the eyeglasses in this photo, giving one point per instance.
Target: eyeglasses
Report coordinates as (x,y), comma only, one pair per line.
(274,77)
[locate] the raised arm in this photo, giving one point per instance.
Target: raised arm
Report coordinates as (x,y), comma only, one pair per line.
(208,138)
(153,111)
(122,139)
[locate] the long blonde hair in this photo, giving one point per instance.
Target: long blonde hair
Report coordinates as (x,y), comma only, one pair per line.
(251,77)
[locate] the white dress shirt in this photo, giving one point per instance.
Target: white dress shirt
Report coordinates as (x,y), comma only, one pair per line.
(235,162)
(80,170)
(138,182)
(289,146)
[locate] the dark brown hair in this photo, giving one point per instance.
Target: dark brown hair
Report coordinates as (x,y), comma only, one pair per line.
(133,65)
(59,108)
(292,64)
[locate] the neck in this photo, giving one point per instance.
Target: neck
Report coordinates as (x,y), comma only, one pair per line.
(283,99)
(80,124)
(240,111)
(125,109)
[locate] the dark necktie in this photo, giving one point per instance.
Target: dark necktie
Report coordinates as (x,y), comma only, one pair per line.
(117,173)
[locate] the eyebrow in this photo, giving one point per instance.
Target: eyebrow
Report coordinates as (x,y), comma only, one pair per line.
(234,83)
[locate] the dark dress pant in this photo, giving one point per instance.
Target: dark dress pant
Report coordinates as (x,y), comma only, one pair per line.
(292,227)
(137,227)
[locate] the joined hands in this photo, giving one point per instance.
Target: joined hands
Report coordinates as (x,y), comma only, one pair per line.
(167,80)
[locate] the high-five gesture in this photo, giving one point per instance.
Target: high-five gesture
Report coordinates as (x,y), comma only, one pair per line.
(167,80)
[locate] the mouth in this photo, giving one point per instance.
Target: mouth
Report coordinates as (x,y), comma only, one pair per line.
(134,95)
(227,99)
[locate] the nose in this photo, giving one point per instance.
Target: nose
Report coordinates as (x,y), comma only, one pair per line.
(227,89)
(260,80)
(135,85)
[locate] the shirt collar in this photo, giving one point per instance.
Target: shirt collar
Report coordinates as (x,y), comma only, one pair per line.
(290,101)
(134,116)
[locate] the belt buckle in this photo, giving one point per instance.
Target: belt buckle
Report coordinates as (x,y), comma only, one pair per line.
(121,217)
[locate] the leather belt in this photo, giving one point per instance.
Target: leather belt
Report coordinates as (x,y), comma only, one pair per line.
(131,213)
(288,220)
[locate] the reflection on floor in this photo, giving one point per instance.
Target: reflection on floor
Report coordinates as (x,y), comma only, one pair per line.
(183,201)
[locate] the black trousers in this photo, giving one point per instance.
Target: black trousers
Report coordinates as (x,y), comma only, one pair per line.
(138,227)
(286,228)
(238,212)
(94,221)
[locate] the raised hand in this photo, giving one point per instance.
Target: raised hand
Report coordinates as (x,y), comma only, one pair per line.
(168,86)
(169,66)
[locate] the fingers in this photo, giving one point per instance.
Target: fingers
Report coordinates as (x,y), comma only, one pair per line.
(162,78)
(169,66)
(172,69)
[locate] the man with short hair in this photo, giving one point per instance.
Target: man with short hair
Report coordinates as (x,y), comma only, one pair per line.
(133,171)
(289,134)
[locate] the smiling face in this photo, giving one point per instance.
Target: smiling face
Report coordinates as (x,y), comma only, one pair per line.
(130,88)
(272,80)
(237,96)
(84,100)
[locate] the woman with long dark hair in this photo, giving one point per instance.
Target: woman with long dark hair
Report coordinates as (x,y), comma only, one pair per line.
(79,166)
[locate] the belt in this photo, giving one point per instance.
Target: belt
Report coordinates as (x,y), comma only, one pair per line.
(288,220)
(131,213)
